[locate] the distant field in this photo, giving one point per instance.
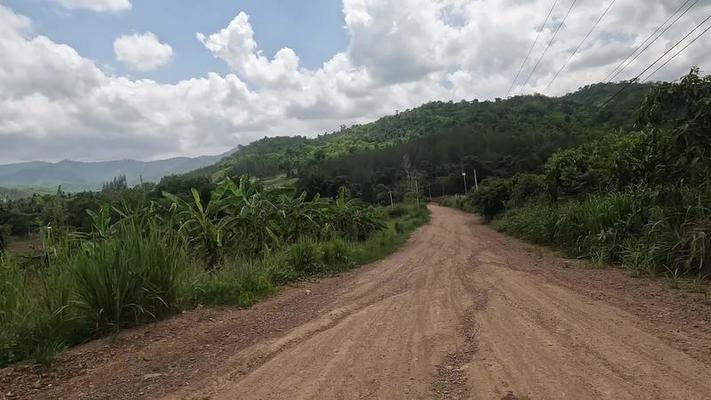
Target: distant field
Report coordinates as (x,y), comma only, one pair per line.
(22,246)
(16,193)
(280,181)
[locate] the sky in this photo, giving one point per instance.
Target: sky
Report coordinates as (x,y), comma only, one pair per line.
(95,80)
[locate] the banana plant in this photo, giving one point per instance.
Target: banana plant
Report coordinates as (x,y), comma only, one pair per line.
(244,219)
(203,226)
(352,220)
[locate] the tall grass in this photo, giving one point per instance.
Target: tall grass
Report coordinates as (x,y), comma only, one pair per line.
(632,228)
(535,223)
(13,306)
(458,201)
(235,283)
(396,233)
(35,315)
(88,286)
(138,275)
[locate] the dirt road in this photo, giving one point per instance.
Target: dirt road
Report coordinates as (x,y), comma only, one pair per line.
(459,312)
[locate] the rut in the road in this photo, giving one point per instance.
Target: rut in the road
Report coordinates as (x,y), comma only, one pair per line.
(462,324)
(459,312)
(395,325)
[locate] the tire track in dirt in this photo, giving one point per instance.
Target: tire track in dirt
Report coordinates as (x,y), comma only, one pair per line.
(451,380)
(385,348)
(460,312)
(546,342)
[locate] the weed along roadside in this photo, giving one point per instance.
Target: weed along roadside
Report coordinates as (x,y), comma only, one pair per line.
(446,316)
(640,199)
(141,264)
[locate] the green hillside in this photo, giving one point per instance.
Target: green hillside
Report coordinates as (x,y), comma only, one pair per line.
(439,140)
(640,197)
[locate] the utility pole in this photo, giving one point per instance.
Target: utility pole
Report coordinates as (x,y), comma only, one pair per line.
(417,194)
(464,175)
(476,181)
(392,205)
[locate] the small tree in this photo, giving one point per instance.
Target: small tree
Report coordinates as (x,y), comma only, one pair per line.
(491,198)
(118,184)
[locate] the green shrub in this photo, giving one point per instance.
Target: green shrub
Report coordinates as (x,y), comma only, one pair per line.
(12,281)
(400,227)
(458,201)
(654,251)
(336,255)
(536,222)
(279,270)
(14,306)
(525,188)
(398,211)
(237,283)
(40,334)
(491,198)
(305,258)
(629,227)
(598,226)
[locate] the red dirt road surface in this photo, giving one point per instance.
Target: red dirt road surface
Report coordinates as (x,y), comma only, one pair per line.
(460,312)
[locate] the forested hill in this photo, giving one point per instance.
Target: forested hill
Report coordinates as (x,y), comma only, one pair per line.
(639,198)
(440,139)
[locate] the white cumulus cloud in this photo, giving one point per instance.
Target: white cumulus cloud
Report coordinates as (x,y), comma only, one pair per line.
(96,5)
(56,104)
(142,51)
(235,45)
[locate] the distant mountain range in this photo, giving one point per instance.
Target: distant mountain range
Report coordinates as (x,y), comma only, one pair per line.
(76,175)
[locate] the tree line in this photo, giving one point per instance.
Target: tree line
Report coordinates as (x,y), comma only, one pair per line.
(640,197)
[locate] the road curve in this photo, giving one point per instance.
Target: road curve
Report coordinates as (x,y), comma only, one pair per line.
(459,312)
(446,317)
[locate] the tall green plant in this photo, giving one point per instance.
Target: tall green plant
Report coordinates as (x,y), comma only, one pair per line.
(205,226)
(132,278)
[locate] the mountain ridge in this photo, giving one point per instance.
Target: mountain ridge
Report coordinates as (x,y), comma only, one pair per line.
(289,155)
(90,175)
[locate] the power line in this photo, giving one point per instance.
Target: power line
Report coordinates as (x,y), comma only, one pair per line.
(581,43)
(532,46)
(626,63)
(673,47)
(677,53)
(645,40)
(628,84)
(550,43)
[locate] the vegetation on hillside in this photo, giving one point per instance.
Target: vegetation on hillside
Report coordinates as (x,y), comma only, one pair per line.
(640,197)
(435,143)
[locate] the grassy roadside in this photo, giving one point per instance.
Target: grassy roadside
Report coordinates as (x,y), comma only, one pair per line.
(402,222)
(145,275)
(606,229)
(244,283)
(639,198)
